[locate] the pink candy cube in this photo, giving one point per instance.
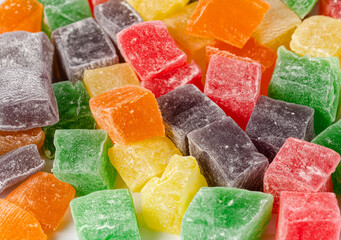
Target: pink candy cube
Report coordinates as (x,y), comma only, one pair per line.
(308,216)
(330,8)
(300,166)
(234,85)
(149,49)
(164,83)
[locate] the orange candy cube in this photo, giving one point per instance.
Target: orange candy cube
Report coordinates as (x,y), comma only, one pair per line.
(10,140)
(237,20)
(129,114)
(45,197)
(20,15)
(18,224)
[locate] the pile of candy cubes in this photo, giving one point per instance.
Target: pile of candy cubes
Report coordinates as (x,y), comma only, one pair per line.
(217,114)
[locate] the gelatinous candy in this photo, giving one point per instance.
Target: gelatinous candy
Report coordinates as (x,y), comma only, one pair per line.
(83,45)
(20,15)
(101,80)
(95,3)
(18,165)
(116,15)
(234,28)
(227,156)
(234,85)
(301,8)
(227,213)
(129,114)
(74,112)
(184,110)
(164,83)
(330,138)
(313,82)
(318,36)
(82,160)
(278,25)
(10,140)
(272,122)
(18,224)
(308,216)
(155,9)
(45,197)
(165,199)
(330,8)
(149,49)
(300,166)
(107,214)
(59,13)
(139,162)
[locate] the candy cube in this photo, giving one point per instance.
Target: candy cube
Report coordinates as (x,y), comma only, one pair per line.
(165,199)
(227,213)
(308,216)
(184,110)
(107,214)
(18,165)
(318,36)
(15,220)
(272,122)
(234,85)
(278,25)
(129,114)
(45,197)
(164,83)
(301,8)
(10,140)
(16,15)
(141,161)
(330,138)
(227,156)
(149,49)
(101,80)
(83,45)
(116,15)
(300,166)
(234,28)
(59,13)
(74,112)
(82,160)
(313,82)
(330,8)
(155,9)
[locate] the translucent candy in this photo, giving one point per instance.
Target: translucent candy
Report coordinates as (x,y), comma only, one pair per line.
(227,156)
(139,162)
(301,7)
(330,8)
(165,199)
(83,45)
(18,165)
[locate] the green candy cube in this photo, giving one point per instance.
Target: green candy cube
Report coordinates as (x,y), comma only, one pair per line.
(301,7)
(106,215)
(82,160)
(74,112)
(309,81)
(331,138)
(59,13)
(226,213)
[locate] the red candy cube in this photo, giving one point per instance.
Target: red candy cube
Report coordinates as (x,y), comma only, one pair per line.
(164,83)
(330,8)
(300,166)
(308,216)
(234,85)
(149,49)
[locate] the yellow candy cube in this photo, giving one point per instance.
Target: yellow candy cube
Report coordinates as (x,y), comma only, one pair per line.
(141,161)
(101,80)
(278,25)
(165,200)
(156,9)
(318,36)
